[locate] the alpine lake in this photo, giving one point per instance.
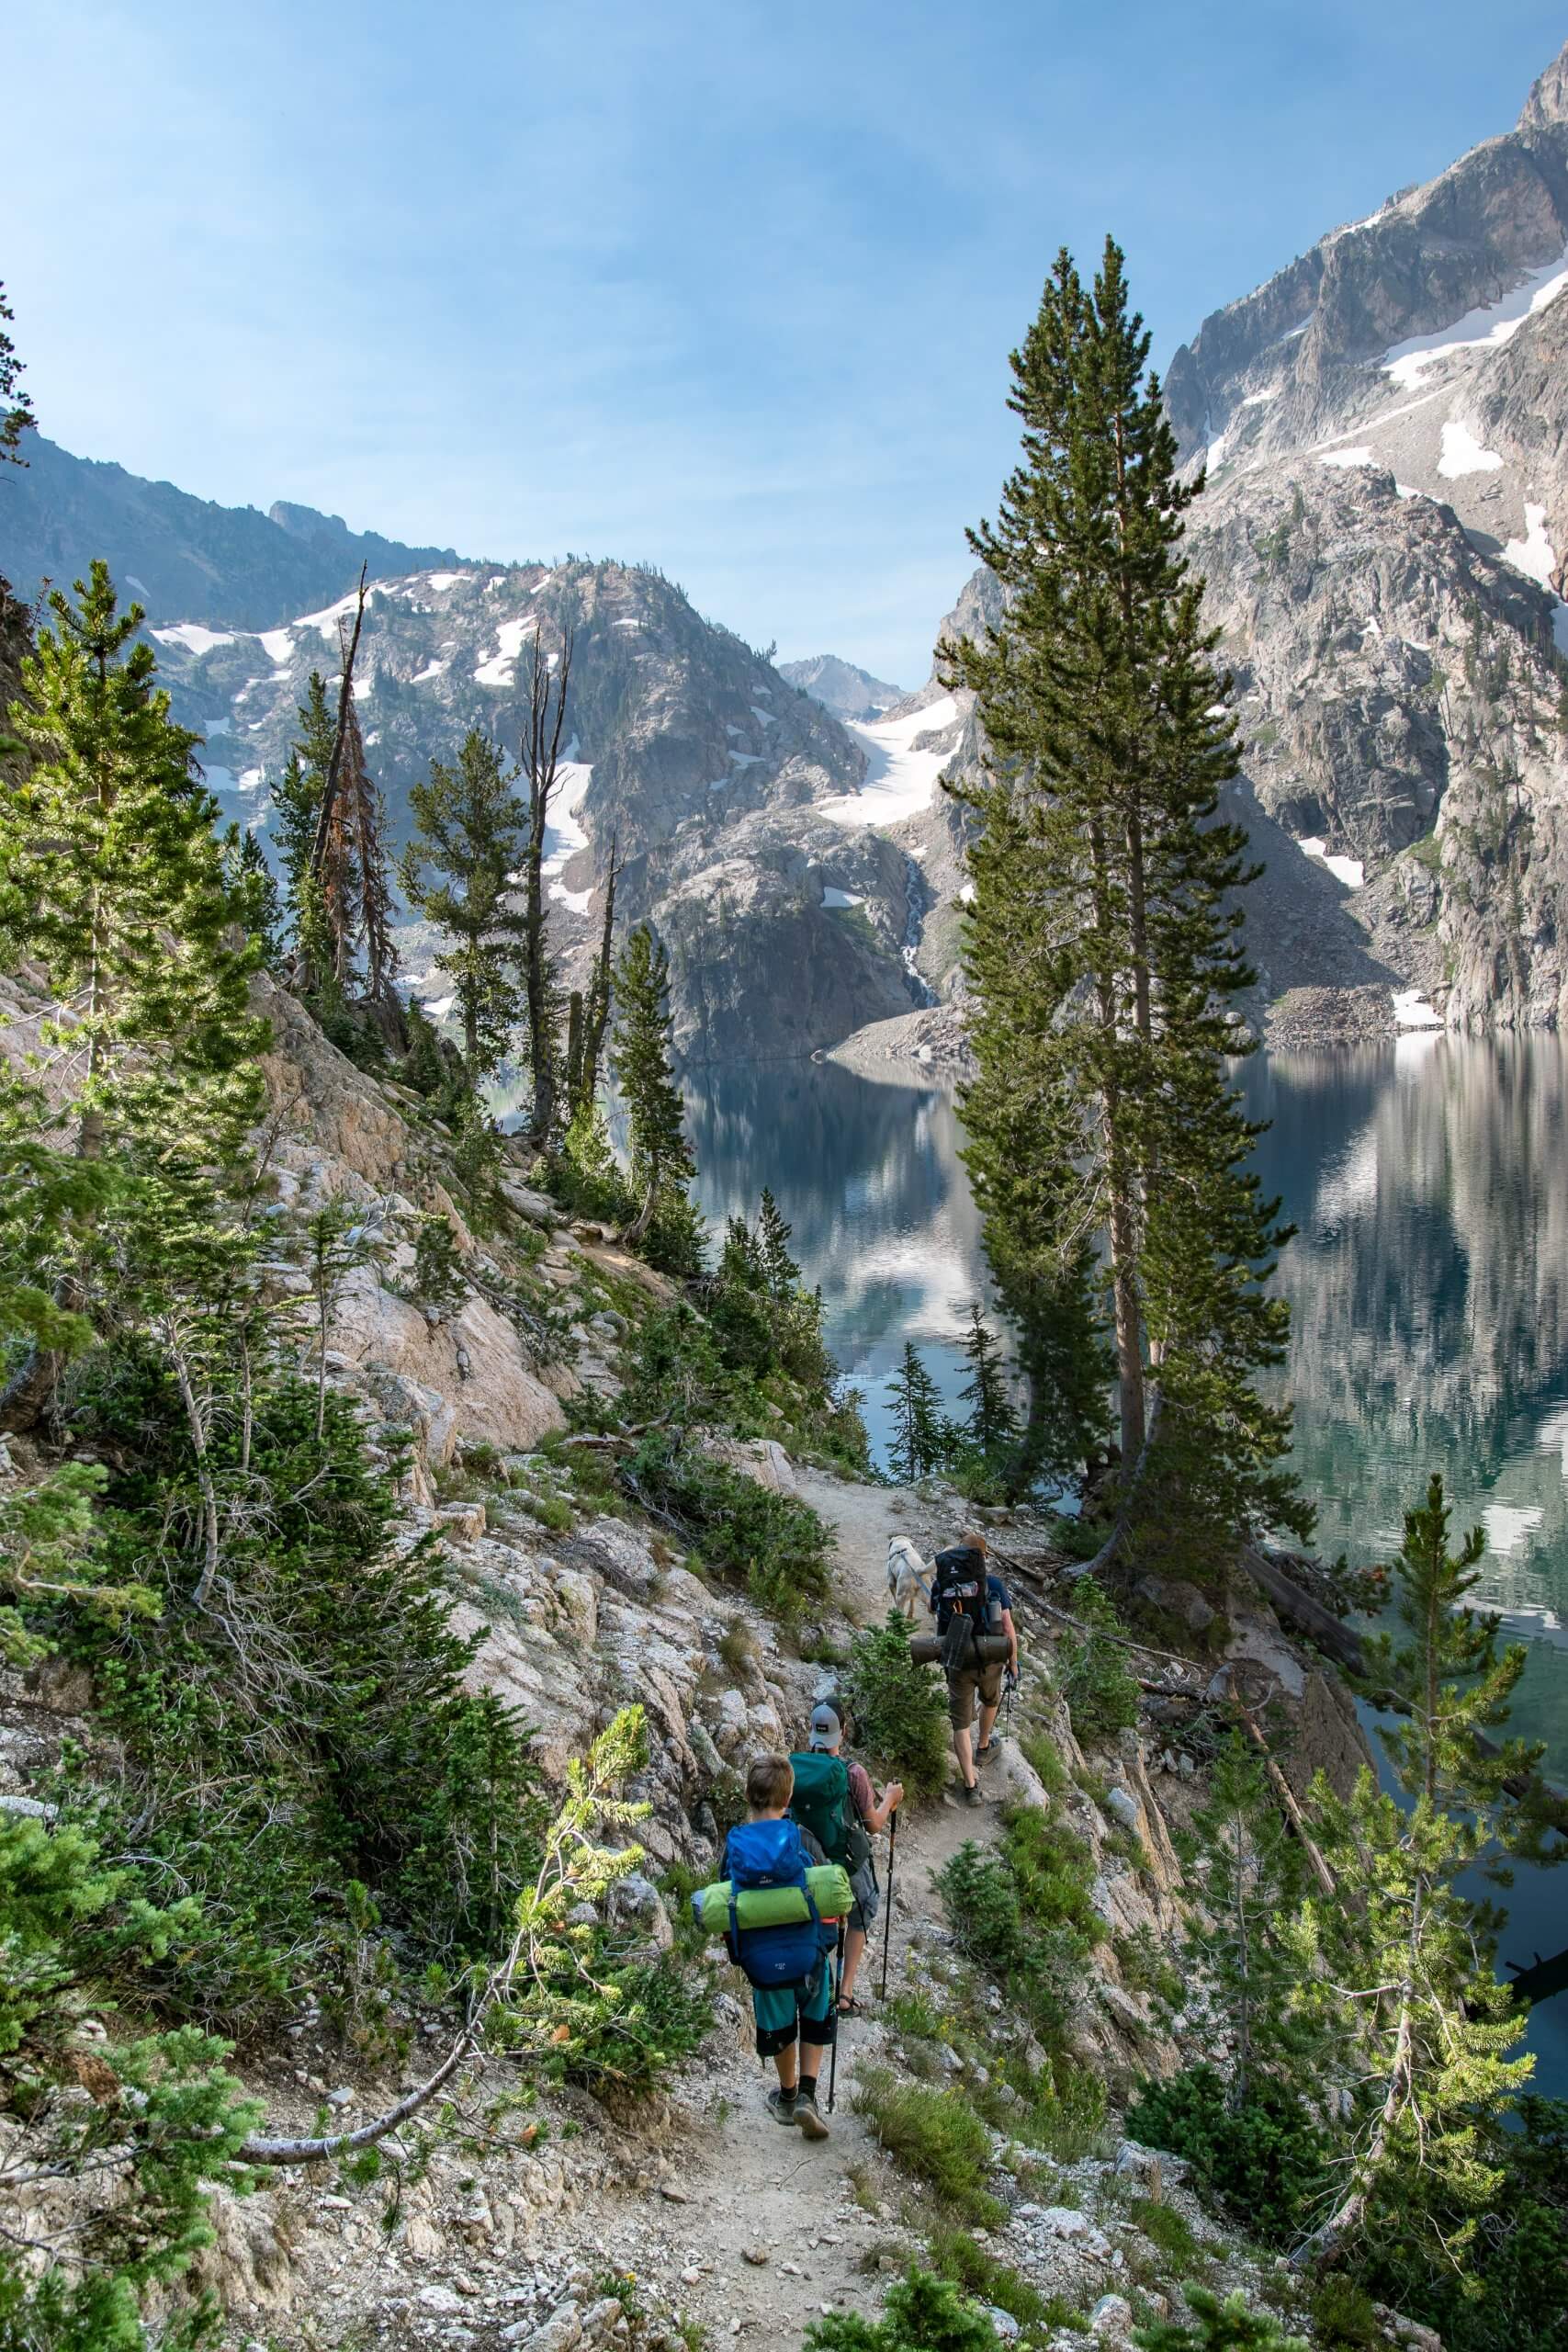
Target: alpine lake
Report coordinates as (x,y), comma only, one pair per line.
(1427,1179)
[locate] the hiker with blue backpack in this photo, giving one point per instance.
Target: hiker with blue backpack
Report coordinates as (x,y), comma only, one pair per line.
(787,1964)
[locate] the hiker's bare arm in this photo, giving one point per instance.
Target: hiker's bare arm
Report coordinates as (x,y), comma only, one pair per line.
(881,1813)
(1010,1630)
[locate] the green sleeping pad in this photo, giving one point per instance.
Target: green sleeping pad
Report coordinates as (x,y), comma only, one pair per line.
(774,1907)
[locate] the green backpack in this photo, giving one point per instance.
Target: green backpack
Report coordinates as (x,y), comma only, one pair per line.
(821,1801)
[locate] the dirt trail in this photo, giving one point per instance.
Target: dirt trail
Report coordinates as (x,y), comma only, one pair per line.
(747,2187)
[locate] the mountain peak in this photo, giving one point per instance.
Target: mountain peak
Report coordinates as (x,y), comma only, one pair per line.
(1546,105)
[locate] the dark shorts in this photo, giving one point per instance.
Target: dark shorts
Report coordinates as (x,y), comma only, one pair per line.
(982,1682)
(786,2010)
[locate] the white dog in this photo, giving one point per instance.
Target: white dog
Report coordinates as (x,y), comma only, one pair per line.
(909,1575)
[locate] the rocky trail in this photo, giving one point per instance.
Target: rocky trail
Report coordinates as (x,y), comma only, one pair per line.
(746,2190)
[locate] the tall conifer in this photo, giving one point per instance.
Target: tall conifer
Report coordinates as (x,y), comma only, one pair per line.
(1103,947)
(457,873)
(661,1162)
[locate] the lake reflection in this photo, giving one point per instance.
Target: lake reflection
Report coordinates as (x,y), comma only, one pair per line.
(1429,1283)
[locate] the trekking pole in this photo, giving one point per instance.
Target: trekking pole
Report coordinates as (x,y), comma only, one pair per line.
(836,1978)
(887,1924)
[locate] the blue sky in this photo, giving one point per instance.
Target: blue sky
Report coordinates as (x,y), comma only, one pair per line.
(731,287)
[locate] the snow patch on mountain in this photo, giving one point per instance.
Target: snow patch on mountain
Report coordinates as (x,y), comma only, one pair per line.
(1494,322)
(1462,454)
(900,779)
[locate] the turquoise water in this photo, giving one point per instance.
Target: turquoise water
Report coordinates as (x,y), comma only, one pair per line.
(1428,1282)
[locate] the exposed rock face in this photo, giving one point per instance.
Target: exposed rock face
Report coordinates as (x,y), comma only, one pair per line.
(842,688)
(1385,430)
(184,557)
(1385,426)
(705,770)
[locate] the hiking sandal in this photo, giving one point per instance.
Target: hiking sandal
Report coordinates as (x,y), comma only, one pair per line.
(849,2006)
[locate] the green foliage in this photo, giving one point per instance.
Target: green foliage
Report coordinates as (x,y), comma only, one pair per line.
(1227,2326)
(50,1554)
(922,2313)
(776,1548)
(1263,2162)
(1413,1951)
(122,2133)
(1100,1688)
(956,2255)
(936,2136)
(469,831)
(1022,1912)
(920,1442)
(1104,954)
(992,1429)
(899,1708)
(16,408)
(1165,2227)
(439,1279)
(1246,1870)
(661,1162)
(322,1691)
(1343,2316)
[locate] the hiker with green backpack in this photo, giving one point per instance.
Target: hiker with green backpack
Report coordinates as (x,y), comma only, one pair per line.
(834,1803)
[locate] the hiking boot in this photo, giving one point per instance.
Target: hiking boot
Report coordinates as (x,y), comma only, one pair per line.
(985,1755)
(813,2123)
(969,1793)
(782,2106)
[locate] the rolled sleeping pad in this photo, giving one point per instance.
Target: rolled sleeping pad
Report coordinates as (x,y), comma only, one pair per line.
(775,1906)
(926,1649)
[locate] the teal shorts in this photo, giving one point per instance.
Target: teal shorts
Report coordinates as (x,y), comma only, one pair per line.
(783,2011)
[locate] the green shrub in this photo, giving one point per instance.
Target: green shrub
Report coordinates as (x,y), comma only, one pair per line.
(129,2130)
(1023,1928)
(1165,2227)
(1265,2164)
(660,2013)
(899,1709)
(1102,1695)
(1228,2327)
(957,2255)
(368,1797)
(1053,1869)
(922,2313)
(937,2136)
(1042,1752)
(776,1548)
(1342,2317)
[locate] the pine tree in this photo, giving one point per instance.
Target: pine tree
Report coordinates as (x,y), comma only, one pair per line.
(662,1163)
(589,1015)
(254,882)
(1410,1953)
(469,831)
(16,409)
(779,1269)
(1247,1875)
(115,882)
(992,1425)
(365,825)
(1103,940)
(297,808)
(918,1444)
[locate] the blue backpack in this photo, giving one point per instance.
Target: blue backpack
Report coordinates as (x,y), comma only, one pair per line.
(770,1853)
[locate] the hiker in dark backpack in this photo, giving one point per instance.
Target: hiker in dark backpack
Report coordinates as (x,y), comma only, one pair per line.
(864,1817)
(786,1966)
(967,1600)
